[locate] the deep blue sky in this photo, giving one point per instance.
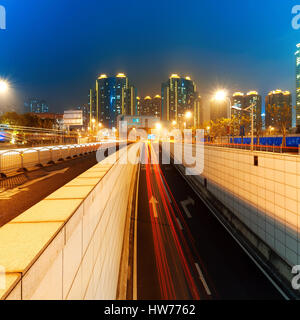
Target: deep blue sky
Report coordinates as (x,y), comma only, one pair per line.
(54,49)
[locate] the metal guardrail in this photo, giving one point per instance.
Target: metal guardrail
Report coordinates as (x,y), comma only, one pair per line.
(257,147)
(21,159)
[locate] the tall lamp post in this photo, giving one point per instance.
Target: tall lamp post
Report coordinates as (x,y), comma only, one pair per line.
(3,86)
(221,95)
(251,109)
(188,116)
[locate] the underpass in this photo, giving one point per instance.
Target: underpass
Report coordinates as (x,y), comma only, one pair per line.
(176,230)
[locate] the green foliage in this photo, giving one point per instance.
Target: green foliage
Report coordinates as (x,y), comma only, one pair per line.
(26,120)
(281,115)
(224,126)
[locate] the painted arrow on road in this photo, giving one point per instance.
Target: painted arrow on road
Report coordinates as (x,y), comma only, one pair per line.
(184,205)
(154,202)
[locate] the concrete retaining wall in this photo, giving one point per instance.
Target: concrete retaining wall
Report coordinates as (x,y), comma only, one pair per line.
(69,245)
(265,197)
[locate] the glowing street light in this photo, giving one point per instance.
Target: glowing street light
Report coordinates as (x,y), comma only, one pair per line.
(188,115)
(158,126)
(3,86)
(220,95)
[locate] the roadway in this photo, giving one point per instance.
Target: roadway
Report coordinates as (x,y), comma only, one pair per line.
(183,252)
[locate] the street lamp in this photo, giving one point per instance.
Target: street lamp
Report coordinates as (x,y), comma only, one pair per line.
(3,86)
(93,127)
(251,107)
(221,95)
(158,126)
(188,116)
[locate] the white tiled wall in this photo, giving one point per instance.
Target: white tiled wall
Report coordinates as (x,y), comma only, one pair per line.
(265,197)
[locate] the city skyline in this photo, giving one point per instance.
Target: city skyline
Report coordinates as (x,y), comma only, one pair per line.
(248,59)
(150,153)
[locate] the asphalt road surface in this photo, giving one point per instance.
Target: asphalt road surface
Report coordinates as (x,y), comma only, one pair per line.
(19,193)
(183,251)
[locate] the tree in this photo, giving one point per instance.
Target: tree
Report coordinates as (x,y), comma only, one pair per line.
(26,120)
(235,125)
(244,123)
(11,118)
(282,116)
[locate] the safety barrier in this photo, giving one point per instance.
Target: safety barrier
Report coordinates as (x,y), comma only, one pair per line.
(69,245)
(21,159)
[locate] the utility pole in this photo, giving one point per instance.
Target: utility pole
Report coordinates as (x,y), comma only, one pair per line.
(252,126)
(97,101)
(252,123)
(91,107)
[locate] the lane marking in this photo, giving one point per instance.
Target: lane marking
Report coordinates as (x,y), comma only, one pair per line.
(233,236)
(180,225)
(203,279)
(154,202)
(184,205)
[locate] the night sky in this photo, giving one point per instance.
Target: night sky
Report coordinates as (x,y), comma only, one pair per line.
(54,49)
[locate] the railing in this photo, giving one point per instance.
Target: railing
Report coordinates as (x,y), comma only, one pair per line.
(256,147)
(22,159)
(35,137)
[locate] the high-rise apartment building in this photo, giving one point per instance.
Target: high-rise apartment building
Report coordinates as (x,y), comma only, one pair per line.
(297,54)
(113,96)
(252,97)
(179,96)
(150,106)
(198,113)
(238,104)
(156,106)
(36,106)
(283,101)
